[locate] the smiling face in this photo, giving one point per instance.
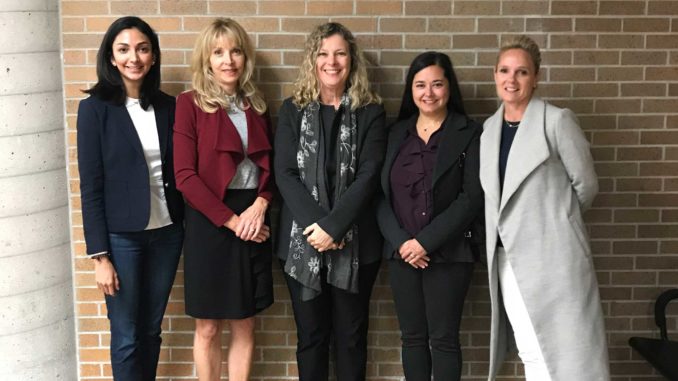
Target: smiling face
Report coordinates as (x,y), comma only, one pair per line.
(133,57)
(431,91)
(333,63)
(515,77)
(227,62)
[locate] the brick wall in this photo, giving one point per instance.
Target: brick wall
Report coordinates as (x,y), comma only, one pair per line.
(615,63)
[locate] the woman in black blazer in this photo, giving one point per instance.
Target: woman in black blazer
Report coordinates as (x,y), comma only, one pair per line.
(431,194)
(132,212)
(329,148)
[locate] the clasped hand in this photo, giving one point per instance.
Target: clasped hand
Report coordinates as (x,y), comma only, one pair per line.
(320,240)
(413,253)
(249,225)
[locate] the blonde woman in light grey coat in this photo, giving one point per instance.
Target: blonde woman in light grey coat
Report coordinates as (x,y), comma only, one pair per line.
(537,173)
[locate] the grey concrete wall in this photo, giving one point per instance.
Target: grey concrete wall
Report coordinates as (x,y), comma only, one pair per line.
(37,340)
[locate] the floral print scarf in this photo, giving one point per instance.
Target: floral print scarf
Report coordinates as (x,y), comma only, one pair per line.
(303,261)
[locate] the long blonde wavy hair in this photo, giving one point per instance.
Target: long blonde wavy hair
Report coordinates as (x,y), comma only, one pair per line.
(307,88)
(208,95)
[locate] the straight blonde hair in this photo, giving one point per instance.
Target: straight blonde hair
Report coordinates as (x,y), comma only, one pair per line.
(208,95)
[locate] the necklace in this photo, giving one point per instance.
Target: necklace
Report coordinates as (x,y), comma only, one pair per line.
(230,98)
(512,124)
(434,125)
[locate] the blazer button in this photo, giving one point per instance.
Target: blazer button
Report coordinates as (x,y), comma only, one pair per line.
(166,185)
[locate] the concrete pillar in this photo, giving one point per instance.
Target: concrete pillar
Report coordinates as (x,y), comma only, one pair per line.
(37,340)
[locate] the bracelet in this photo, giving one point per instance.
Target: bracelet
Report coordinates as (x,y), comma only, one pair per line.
(97,257)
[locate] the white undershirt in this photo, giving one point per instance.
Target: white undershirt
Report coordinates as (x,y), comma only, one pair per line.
(147,129)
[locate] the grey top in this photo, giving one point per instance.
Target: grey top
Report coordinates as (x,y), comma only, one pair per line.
(247,173)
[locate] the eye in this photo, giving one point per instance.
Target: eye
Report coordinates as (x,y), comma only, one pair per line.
(122,50)
(503,70)
(322,54)
(144,49)
(343,54)
(237,51)
(217,52)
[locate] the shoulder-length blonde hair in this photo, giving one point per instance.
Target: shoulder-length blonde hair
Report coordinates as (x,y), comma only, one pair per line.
(307,88)
(208,95)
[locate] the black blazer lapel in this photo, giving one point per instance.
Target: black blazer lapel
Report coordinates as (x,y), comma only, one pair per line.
(395,140)
(453,143)
(122,120)
(163,124)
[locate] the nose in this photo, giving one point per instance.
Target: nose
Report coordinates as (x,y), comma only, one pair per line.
(428,90)
(227,58)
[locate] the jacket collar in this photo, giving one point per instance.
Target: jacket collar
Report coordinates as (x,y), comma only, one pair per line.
(229,141)
(162,122)
(453,142)
(528,151)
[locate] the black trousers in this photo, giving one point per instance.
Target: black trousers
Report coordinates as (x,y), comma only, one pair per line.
(335,312)
(429,305)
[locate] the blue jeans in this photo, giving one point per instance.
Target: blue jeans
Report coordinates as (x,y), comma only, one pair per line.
(146,263)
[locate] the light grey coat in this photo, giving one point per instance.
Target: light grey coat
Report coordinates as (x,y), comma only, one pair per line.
(549,182)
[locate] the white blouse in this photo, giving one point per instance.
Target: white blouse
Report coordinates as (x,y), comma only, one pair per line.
(147,129)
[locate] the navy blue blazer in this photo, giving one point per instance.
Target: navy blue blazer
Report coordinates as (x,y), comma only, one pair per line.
(457,194)
(114,178)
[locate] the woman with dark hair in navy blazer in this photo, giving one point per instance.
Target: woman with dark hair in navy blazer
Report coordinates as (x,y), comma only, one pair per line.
(132,212)
(431,194)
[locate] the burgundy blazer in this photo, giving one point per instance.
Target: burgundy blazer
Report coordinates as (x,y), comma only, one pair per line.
(207,151)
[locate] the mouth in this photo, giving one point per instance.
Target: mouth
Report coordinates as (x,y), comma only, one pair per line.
(511,89)
(332,71)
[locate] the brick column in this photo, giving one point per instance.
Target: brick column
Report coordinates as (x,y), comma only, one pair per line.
(36,302)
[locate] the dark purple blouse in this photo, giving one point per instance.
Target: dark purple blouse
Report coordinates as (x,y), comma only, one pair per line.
(412,180)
